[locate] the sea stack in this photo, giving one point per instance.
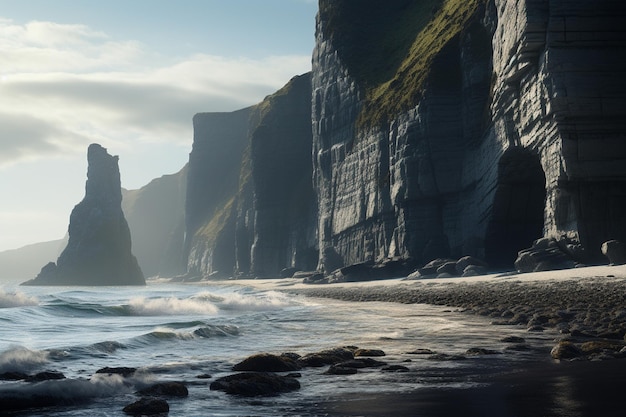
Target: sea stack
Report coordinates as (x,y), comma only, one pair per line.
(99,248)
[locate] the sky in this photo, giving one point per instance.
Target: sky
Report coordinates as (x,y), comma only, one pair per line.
(129,75)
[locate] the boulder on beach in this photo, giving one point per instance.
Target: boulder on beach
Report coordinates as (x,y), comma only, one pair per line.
(615,251)
(448,268)
(547,254)
(431,267)
(465,262)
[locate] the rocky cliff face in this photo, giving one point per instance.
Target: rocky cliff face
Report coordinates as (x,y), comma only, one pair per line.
(491,124)
(438,128)
(284,202)
(250,204)
(156,218)
(99,248)
(213,183)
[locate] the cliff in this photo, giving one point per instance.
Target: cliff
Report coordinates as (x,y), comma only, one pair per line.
(213,185)
(472,128)
(250,204)
(98,251)
(156,217)
(430,129)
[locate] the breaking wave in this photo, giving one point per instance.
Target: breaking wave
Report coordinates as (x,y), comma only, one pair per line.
(202,303)
(238,301)
(203,332)
(16,299)
(61,392)
(21,359)
(171,306)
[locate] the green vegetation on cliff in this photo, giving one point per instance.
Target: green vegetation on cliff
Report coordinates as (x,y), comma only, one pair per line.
(389,47)
(211,230)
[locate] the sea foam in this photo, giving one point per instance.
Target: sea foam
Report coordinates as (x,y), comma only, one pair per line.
(207,303)
(246,302)
(60,392)
(16,299)
(171,306)
(21,359)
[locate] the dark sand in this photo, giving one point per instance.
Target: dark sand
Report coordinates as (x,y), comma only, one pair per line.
(594,306)
(573,389)
(580,309)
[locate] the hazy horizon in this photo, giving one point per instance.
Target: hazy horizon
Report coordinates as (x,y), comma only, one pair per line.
(130,77)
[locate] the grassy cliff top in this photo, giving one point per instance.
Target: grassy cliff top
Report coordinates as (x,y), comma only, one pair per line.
(390,46)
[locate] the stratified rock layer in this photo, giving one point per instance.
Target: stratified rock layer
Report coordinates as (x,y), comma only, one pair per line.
(447,128)
(514,131)
(99,248)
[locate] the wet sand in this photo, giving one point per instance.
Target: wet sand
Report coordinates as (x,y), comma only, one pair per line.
(574,389)
(580,304)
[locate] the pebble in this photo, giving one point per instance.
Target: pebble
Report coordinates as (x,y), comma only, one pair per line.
(586,308)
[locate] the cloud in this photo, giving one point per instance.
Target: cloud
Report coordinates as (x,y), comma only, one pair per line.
(23,136)
(64,86)
(40,47)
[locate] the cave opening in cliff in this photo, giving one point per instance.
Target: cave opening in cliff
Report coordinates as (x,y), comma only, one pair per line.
(518,207)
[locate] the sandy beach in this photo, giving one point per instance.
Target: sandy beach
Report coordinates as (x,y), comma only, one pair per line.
(584,302)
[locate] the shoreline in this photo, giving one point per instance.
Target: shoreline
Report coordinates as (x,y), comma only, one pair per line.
(582,304)
(585,305)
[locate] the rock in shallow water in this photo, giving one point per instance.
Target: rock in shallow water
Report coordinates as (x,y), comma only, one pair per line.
(369,352)
(481,351)
(361,363)
(395,368)
(566,350)
(168,389)
(253,384)
(341,370)
(123,371)
(147,407)
(45,376)
(266,362)
(326,357)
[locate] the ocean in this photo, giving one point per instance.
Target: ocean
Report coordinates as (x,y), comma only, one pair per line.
(195,333)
